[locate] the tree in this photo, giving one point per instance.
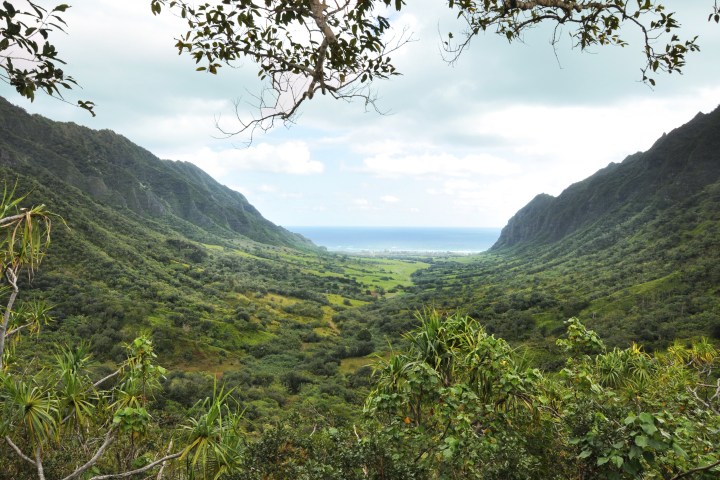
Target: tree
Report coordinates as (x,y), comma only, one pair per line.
(28,60)
(24,238)
(57,421)
(463,405)
(338,48)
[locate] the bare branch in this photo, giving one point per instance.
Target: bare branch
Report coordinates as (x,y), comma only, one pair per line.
(109,439)
(107,377)
(17,329)
(696,470)
(147,467)
(11,276)
(18,451)
(162,468)
(38,464)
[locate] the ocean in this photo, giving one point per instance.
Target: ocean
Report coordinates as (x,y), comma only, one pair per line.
(401,239)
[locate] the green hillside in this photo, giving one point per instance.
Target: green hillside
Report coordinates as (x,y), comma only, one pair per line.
(634,250)
(151,246)
(118,174)
(270,343)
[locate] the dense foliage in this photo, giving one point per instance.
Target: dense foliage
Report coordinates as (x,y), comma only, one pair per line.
(267,348)
(466,405)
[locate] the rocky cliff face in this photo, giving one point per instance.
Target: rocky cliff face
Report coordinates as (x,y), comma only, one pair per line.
(679,164)
(117,173)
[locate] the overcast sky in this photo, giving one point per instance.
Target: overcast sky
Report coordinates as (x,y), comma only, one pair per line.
(463,145)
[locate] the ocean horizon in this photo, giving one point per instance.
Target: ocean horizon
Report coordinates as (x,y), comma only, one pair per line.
(456,240)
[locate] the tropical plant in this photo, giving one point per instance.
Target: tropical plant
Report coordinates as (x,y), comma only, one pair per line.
(57,420)
(463,405)
(462,400)
(24,239)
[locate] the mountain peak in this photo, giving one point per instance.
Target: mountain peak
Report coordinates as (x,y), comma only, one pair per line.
(113,171)
(678,164)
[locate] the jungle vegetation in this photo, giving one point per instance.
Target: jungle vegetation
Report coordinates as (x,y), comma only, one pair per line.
(455,402)
(280,360)
(139,341)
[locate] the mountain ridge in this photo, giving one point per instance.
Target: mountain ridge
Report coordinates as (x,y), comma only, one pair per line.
(112,170)
(681,161)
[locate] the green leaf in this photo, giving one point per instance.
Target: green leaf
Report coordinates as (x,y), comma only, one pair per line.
(649,428)
(641,441)
(646,418)
(585,454)
(678,449)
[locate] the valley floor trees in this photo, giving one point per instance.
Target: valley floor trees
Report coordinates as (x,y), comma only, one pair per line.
(456,402)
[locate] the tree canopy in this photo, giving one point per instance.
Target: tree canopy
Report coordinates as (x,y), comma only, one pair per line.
(28,59)
(337,48)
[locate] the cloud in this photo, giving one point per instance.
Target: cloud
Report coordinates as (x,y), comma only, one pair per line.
(389,199)
(445,164)
(291,158)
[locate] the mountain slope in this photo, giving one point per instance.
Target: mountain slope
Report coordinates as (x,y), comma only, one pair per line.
(115,172)
(678,165)
(634,251)
(158,247)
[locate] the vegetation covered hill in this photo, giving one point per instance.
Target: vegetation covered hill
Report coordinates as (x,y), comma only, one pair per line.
(118,174)
(634,251)
(679,166)
(158,247)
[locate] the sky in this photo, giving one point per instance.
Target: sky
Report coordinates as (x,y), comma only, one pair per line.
(465,145)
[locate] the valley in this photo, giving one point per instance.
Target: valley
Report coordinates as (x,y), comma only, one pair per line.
(157,250)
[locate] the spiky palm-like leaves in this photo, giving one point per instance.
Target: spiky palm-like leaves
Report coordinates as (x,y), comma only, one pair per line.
(29,409)
(450,391)
(76,394)
(24,238)
(213,444)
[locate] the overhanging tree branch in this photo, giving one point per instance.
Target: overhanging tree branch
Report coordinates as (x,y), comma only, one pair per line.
(29,62)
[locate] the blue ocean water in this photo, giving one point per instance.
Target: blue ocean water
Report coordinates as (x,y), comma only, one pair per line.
(400,239)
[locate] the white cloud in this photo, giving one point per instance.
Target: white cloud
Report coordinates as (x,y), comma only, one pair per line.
(241,189)
(292,158)
(362,204)
(467,145)
(445,164)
